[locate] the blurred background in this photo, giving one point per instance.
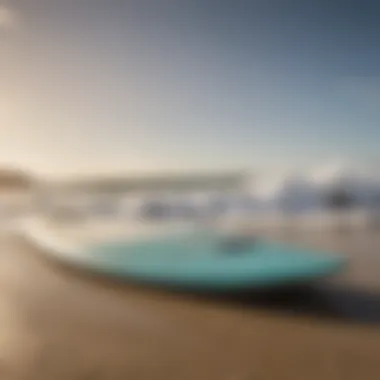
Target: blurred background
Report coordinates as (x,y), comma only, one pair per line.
(122,118)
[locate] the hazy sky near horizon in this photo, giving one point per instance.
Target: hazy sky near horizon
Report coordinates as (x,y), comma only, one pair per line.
(97,85)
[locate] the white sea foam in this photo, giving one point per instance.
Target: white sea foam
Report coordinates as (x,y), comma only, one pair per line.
(274,201)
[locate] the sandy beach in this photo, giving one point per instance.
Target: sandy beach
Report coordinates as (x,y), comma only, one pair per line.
(58,323)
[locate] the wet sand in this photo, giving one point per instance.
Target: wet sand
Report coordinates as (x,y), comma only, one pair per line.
(58,323)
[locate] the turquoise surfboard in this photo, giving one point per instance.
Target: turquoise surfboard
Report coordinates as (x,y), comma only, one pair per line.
(196,261)
(213,263)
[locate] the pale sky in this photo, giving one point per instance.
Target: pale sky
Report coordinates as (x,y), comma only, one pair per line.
(110,85)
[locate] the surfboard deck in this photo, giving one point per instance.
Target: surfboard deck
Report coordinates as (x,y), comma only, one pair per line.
(205,264)
(200,261)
